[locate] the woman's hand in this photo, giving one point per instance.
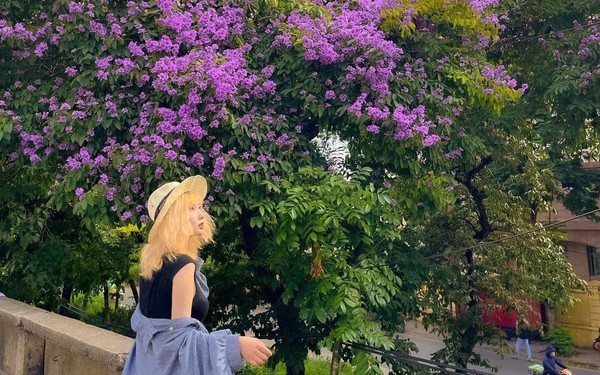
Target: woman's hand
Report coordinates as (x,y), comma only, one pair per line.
(254,351)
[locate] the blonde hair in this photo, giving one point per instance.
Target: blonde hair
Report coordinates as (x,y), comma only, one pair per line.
(173,236)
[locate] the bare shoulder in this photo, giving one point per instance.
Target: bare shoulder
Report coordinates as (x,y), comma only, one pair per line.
(185,274)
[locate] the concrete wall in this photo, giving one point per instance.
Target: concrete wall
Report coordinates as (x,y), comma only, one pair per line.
(577,256)
(583,319)
(34,341)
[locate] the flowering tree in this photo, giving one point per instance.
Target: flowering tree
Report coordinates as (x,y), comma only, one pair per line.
(111,99)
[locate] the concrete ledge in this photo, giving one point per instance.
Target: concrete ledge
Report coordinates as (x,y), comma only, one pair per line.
(12,311)
(96,343)
(37,341)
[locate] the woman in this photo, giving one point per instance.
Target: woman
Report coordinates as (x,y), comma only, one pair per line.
(523,333)
(170,338)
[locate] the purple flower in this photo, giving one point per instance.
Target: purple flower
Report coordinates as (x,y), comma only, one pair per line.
(216,149)
(431,140)
(268,71)
(104,63)
(454,153)
(373,129)
(219,168)
(40,49)
(135,49)
(78,115)
(171,155)
(197,160)
(524,88)
(329,94)
(249,168)
(75,7)
(71,71)
(103,179)
(79,193)
(115,29)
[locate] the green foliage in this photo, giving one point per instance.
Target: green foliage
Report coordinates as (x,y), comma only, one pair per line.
(458,14)
(561,339)
(116,320)
(47,251)
(94,304)
(474,84)
(314,219)
(560,102)
(313,366)
(493,204)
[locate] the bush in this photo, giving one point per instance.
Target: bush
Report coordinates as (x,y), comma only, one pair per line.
(561,339)
(312,366)
(118,321)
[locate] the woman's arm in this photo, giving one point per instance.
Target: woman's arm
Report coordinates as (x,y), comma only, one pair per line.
(184,290)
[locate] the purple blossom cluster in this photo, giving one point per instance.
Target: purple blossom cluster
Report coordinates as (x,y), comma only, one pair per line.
(481,5)
(499,76)
(413,121)
(166,94)
(352,37)
(576,52)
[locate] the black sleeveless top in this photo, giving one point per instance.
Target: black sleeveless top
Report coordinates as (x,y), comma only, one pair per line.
(156,294)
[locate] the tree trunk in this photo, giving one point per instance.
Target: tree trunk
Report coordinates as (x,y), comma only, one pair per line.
(335,359)
(65,299)
(86,299)
(106,307)
(469,337)
(117,295)
(290,327)
(134,291)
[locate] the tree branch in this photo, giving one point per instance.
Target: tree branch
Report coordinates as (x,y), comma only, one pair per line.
(485,227)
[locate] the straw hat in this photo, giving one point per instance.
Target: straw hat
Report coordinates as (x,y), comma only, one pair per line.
(162,198)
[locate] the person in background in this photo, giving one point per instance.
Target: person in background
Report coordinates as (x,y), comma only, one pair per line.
(523,333)
(170,337)
(550,362)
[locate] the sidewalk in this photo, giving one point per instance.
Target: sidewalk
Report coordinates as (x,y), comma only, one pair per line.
(583,357)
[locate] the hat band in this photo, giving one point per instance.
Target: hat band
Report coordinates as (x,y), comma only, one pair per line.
(162,204)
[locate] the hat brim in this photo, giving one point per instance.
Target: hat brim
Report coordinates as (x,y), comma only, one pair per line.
(194,184)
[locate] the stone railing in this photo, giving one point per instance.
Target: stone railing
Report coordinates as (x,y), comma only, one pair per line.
(34,341)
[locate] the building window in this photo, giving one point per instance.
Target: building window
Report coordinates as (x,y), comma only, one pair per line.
(593,261)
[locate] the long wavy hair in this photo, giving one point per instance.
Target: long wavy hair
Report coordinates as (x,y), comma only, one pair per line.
(173,236)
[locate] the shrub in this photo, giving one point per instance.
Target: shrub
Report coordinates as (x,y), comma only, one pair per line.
(313,366)
(561,339)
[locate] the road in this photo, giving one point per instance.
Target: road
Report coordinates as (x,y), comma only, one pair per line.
(506,365)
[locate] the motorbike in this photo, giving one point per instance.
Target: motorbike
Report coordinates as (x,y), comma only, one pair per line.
(538,370)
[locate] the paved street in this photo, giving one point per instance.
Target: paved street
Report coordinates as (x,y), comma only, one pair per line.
(506,365)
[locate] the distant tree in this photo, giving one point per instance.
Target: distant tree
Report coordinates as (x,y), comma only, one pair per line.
(102,101)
